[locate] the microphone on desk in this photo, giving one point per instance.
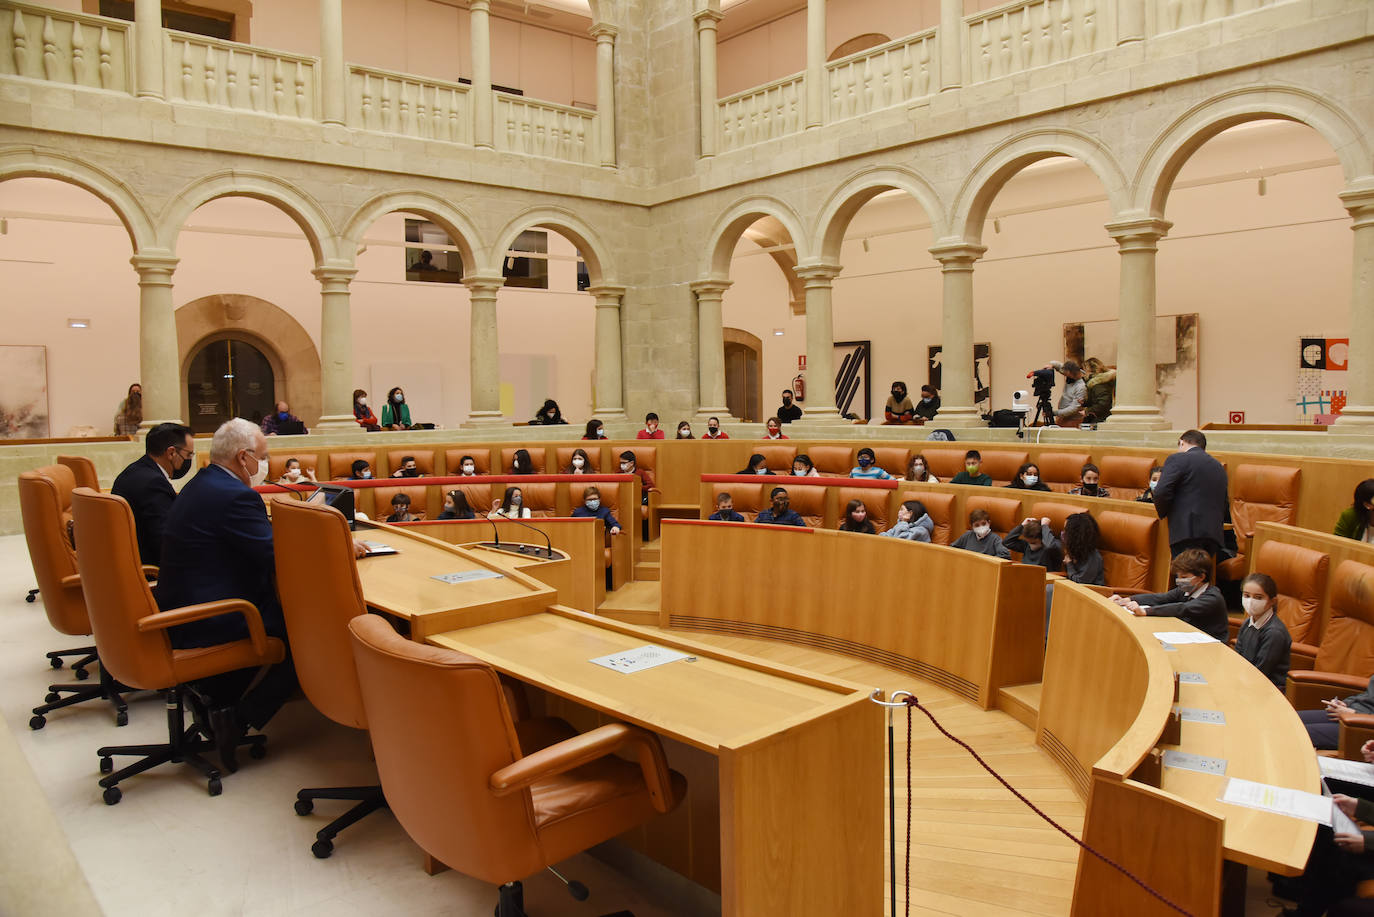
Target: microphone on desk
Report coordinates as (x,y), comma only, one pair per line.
(496,533)
(548,549)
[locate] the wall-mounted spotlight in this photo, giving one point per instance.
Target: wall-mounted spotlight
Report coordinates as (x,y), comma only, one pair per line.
(997,225)
(778,332)
(78,323)
(1263,186)
(865,245)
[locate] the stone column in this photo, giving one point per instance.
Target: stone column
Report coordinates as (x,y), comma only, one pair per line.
(485,356)
(159,360)
(818,281)
(479,23)
(957,409)
(1130,21)
(336,348)
(706,21)
(1358,414)
(605,91)
(333,72)
(148,54)
(815,64)
(710,350)
(951,45)
(610,392)
(1137,402)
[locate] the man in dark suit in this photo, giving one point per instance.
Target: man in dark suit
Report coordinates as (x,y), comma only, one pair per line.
(217,544)
(168,451)
(1191,495)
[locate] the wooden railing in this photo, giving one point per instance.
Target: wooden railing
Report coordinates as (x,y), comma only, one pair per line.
(881,77)
(395,103)
(1033,33)
(544,129)
(765,113)
(226,74)
(63,47)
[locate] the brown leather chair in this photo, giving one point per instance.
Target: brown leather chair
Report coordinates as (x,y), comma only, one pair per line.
(1126,475)
(646,463)
(341,464)
(806,500)
(779,457)
(276,465)
(1300,575)
(874,500)
(478,496)
(131,633)
(419,501)
(424,460)
(891,459)
(943,463)
(749,499)
(834,461)
(453,460)
(495,800)
(317,579)
(1259,493)
(45,497)
(1002,466)
(940,507)
(541,499)
(83,470)
(1057,513)
(536,458)
(565,456)
(1128,550)
(1345,657)
(1061,471)
(1005,512)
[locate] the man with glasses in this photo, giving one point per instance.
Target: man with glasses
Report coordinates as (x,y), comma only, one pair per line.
(169,451)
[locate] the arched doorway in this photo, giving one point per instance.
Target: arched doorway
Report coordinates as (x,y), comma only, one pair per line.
(226,378)
(743,375)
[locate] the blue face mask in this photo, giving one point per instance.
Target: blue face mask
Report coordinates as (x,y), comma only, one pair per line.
(593,504)
(282,415)
(865,461)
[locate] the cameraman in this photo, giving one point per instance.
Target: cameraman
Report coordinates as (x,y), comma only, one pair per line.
(1070,410)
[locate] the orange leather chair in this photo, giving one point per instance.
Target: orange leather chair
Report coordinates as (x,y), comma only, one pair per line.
(1126,475)
(1005,512)
(131,633)
(565,456)
(1300,575)
(835,461)
(491,798)
(1002,466)
(875,501)
(540,499)
(453,460)
(779,457)
(940,507)
(45,497)
(1061,471)
(1128,550)
(891,459)
(508,459)
(806,500)
(419,501)
(1345,657)
(478,495)
(749,499)
(341,464)
(943,463)
(1259,493)
(83,470)
(424,460)
(276,465)
(1057,513)
(646,463)
(317,579)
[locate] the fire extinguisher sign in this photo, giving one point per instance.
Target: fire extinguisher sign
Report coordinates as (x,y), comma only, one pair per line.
(801,362)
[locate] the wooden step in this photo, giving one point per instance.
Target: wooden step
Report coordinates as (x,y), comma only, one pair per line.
(1022,702)
(647,570)
(650,552)
(633,603)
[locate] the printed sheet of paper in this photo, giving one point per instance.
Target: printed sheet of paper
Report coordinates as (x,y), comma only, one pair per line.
(1279,800)
(639,658)
(376,548)
(1180,637)
(1349,771)
(467,576)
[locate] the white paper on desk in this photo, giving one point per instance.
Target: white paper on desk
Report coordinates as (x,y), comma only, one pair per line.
(1279,800)
(376,548)
(467,576)
(1340,822)
(1178,637)
(639,658)
(1349,771)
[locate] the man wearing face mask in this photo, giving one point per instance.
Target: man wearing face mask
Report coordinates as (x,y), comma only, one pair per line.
(789,411)
(282,421)
(168,451)
(713,430)
(899,408)
(780,512)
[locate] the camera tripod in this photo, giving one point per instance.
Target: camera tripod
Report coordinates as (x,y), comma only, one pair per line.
(1044,410)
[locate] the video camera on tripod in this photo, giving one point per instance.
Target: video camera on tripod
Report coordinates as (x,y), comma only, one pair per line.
(1042,386)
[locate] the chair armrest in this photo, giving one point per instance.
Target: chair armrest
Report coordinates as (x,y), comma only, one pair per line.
(1303,656)
(151,572)
(71,582)
(165,619)
(1356,729)
(585,748)
(1307,689)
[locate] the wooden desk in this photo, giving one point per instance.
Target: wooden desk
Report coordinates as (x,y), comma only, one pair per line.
(402,585)
(800,757)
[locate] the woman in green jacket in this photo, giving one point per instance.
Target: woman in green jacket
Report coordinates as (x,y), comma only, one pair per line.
(395,413)
(1355,519)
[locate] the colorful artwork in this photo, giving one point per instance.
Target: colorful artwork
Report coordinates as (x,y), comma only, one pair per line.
(1322,364)
(23,392)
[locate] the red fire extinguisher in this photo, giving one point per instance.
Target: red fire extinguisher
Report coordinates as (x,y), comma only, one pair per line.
(799,387)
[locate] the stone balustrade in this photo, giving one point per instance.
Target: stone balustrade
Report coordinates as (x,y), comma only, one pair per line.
(64,47)
(226,74)
(1032,33)
(396,103)
(544,129)
(765,113)
(878,78)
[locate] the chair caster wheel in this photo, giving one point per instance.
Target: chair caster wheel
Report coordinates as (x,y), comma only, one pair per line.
(113,795)
(106,764)
(215,787)
(55,662)
(51,697)
(257,752)
(122,718)
(305,806)
(322,849)
(31,598)
(81,674)
(578,890)
(38,722)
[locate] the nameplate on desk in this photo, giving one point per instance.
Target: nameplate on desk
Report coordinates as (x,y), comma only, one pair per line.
(639,658)
(1278,799)
(1188,761)
(1198,715)
(1349,771)
(1181,637)
(377,549)
(467,576)
(1191,678)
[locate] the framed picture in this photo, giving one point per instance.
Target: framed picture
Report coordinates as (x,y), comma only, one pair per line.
(982,374)
(854,362)
(23,392)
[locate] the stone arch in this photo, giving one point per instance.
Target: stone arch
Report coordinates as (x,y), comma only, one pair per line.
(564,222)
(30,162)
(727,230)
(295,203)
(454,221)
(283,340)
(975,197)
(1166,156)
(861,188)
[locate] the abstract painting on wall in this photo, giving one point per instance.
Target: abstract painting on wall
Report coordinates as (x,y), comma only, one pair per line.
(23,392)
(852,373)
(1322,365)
(982,375)
(1176,360)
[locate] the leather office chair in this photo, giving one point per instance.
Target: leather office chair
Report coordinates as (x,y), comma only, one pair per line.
(83,470)
(940,507)
(1259,493)
(1300,575)
(807,500)
(748,499)
(341,465)
(276,465)
(424,460)
(943,463)
(873,499)
(834,461)
(1345,657)
(131,633)
(1005,512)
(317,580)
(891,459)
(494,800)
(564,457)
(1126,475)
(1061,471)
(541,499)
(1128,550)
(536,459)
(481,460)
(778,457)
(45,496)
(1002,466)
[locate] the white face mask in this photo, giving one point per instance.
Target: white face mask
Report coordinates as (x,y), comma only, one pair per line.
(398,398)
(578,462)
(260,475)
(1254,607)
(1153,483)
(362,402)
(625,467)
(593,503)
(293,474)
(1031,479)
(918,470)
(468,468)
(982,530)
